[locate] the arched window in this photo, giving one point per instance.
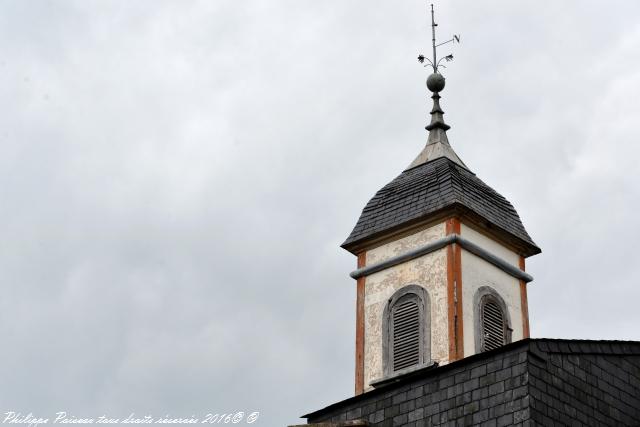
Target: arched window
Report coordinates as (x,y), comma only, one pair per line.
(493,325)
(406,332)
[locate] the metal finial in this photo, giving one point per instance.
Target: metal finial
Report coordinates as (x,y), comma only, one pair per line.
(438,142)
(437,83)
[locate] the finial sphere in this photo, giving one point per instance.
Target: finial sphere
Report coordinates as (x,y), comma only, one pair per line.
(435,82)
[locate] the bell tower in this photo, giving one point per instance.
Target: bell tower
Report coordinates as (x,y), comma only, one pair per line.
(441,262)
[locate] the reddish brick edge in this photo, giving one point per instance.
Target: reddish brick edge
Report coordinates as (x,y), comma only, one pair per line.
(454,293)
(524,303)
(359,389)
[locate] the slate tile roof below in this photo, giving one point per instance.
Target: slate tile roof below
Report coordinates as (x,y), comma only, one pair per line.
(533,382)
(428,188)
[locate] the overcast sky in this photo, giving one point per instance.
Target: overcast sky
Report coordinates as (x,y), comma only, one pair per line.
(176,178)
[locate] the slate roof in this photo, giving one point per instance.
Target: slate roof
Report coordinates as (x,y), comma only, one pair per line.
(430,187)
(543,381)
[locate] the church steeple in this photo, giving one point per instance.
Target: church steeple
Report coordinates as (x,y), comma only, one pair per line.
(440,262)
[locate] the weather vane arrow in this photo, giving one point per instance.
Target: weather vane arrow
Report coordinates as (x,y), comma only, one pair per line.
(435,63)
(435,83)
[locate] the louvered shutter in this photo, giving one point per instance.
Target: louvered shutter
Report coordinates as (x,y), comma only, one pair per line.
(406,334)
(493,326)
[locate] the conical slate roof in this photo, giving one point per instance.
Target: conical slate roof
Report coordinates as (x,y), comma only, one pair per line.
(436,182)
(433,187)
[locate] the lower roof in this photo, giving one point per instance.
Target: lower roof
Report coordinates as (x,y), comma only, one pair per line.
(537,345)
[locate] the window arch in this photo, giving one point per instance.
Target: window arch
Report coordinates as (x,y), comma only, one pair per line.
(405,330)
(493,324)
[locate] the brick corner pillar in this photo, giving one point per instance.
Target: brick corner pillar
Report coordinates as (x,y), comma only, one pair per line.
(359,389)
(524,303)
(454,293)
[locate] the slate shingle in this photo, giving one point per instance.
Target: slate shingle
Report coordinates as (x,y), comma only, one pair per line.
(488,389)
(428,188)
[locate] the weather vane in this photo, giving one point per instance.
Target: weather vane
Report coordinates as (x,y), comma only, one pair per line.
(435,64)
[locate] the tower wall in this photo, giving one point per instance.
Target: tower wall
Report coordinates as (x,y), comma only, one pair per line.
(428,271)
(476,273)
(435,272)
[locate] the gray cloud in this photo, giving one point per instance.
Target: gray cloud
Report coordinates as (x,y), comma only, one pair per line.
(177,177)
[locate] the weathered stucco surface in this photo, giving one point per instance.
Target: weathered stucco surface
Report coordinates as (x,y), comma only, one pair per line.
(476,273)
(400,246)
(428,271)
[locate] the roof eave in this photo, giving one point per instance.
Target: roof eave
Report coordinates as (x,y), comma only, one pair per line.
(519,245)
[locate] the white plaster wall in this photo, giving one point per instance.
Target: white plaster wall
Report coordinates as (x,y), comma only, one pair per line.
(428,271)
(405,244)
(476,273)
(489,244)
